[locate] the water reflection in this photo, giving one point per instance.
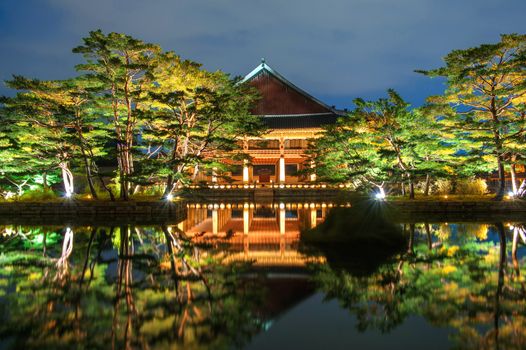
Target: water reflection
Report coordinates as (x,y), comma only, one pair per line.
(266,235)
(456,276)
(229,272)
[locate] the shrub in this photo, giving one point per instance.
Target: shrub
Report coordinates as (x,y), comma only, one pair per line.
(39,195)
(442,187)
(472,186)
(150,191)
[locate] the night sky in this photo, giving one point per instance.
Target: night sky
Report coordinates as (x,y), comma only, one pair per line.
(336,50)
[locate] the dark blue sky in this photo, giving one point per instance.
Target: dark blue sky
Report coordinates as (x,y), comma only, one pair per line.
(335,49)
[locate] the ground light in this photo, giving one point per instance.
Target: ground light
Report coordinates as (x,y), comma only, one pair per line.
(379,196)
(169,197)
(68,194)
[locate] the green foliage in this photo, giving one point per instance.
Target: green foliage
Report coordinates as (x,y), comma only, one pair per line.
(483,105)
(443,186)
(151,114)
(381,142)
(39,195)
(472,186)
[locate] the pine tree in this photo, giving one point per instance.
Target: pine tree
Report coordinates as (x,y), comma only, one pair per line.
(40,128)
(193,120)
(486,85)
(122,66)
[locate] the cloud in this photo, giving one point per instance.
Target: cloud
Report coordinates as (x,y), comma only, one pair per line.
(331,48)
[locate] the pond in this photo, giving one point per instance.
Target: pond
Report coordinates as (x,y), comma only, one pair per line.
(265,275)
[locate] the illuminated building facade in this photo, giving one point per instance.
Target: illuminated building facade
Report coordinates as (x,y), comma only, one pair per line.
(292,117)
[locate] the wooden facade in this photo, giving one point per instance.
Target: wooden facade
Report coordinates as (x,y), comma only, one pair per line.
(292,117)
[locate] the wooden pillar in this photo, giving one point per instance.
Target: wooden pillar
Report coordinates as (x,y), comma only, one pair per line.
(246,175)
(281,171)
(313,175)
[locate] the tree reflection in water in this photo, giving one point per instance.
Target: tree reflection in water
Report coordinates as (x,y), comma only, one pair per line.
(155,289)
(455,276)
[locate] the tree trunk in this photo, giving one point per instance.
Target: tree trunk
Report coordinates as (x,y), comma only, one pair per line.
(513,174)
(521,192)
(89,178)
(411,189)
(110,193)
(428,183)
(95,169)
(514,251)
(502,180)
(67,178)
(428,234)
(500,283)
(44,181)
(411,239)
(403,188)
(169,186)
(87,168)
(382,191)
(87,161)
(196,172)
(123,176)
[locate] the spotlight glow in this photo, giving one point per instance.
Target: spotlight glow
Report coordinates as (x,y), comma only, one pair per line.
(169,197)
(379,196)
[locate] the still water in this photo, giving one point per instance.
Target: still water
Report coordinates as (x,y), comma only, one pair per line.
(265,276)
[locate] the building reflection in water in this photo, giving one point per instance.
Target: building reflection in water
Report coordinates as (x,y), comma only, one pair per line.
(268,235)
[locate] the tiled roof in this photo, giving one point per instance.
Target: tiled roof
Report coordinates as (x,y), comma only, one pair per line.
(299,121)
(284,105)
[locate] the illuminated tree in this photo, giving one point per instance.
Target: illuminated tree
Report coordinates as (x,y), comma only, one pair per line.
(344,155)
(380,141)
(16,170)
(193,120)
(41,129)
(53,125)
(121,66)
(431,149)
(486,86)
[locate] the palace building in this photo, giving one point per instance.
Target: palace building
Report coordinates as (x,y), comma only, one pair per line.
(292,116)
